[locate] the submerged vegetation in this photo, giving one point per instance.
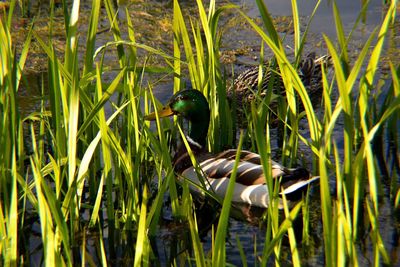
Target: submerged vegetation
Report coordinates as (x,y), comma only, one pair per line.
(86,180)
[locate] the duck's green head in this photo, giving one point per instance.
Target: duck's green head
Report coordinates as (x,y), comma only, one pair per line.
(193,106)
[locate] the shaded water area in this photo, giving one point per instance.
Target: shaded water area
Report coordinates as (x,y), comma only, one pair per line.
(240,48)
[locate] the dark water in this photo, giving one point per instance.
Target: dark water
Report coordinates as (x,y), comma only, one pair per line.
(323,21)
(251,235)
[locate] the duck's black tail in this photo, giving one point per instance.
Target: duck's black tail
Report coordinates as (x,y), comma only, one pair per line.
(296,182)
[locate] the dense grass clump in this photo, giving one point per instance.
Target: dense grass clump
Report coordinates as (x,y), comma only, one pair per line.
(91,177)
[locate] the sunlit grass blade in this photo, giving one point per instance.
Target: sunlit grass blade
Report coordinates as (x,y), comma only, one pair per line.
(292,238)
(120,43)
(341,39)
(379,247)
(91,36)
(296,27)
(194,234)
(167,162)
(281,231)
(102,101)
(91,161)
(11,141)
(46,223)
(363,103)
(345,102)
(181,31)
(284,64)
(305,33)
(105,146)
(12,223)
(326,208)
(268,23)
(219,254)
(103,255)
(142,250)
(112,18)
(177,40)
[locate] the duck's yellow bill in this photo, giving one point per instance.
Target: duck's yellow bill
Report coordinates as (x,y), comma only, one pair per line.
(165,112)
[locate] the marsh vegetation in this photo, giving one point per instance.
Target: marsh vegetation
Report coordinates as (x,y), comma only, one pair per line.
(84,179)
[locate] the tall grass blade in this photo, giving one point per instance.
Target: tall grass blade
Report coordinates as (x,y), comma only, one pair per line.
(296,27)
(268,23)
(363,104)
(326,209)
(91,36)
(288,69)
(305,33)
(168,164)
(341,38)
(219,254)
(292,238)
(141,253)
(196,243)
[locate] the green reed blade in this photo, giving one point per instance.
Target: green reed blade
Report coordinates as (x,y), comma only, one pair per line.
(363,102)
(102,101)
(206,28)
(219,255)
(167,162)
(156,209)
(60,221)
(183,33)
(3,232)
(141,247)
(199,172)
(113,19)
(268,23)
(341,38)
(282,230)
(131,34)
(378,245)
(89,153)
(103,255)
(397,199)
(91,36)
(11,143)
(46,223)
(296,28)
(105,144)
(12,222)
(10,13)
(326,208)
(194,233)
(284,64)
(346,103)
(177,41)
(305,34)
(292,238)
(200,53)
(355,71)
(97,204)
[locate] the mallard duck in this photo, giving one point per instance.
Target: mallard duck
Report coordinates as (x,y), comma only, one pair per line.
(250,187)
(245,86)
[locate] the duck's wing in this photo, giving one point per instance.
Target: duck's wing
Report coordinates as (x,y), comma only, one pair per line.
(250,171)
(250,185)
(250,179)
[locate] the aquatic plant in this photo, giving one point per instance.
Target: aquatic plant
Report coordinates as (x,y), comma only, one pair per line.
(92,179)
